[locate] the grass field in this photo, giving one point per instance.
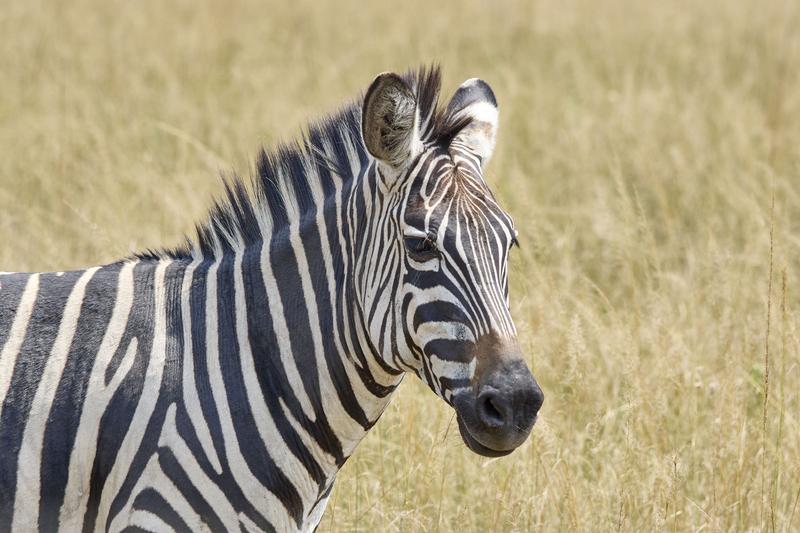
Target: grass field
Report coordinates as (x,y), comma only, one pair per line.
(649,152)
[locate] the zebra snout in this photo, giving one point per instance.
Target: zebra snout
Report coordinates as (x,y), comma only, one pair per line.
(498,416)
(509,401)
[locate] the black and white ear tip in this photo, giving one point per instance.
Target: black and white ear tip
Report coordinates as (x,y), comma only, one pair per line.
(472,91)
(476,100)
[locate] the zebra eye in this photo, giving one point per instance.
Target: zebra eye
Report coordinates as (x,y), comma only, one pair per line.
(421,248)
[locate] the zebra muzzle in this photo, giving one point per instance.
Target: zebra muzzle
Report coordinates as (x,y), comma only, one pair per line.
(497,414)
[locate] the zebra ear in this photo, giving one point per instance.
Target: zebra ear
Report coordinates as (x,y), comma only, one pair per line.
(474,101)
(389,121)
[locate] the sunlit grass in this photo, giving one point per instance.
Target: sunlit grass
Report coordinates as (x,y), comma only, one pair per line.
(641,146)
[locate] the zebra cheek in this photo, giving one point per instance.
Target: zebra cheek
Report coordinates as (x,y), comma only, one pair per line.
(417,267)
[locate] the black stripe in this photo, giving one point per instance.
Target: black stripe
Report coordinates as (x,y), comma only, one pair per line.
(151,501)
(11,288)
(200,359)
(185,428)
(116,420)
(318,274)
(28,367)
(450,350)
(169,389)
(65,414)
(272,376)
(438,310)
(287,277)
(173,470)
(134,529)
(249,441)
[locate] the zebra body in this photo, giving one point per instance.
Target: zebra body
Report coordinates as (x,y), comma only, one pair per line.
(221,386)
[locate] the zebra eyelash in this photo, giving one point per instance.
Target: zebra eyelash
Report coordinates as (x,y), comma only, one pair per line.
(421,248)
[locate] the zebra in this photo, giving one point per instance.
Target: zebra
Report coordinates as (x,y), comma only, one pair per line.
(220,385)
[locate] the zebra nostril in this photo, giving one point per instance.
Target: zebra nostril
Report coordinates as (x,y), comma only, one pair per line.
(492,410)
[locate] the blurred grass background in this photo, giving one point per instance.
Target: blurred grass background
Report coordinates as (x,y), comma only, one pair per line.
(649,152)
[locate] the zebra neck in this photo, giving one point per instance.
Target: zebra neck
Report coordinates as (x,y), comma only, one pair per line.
(283,322)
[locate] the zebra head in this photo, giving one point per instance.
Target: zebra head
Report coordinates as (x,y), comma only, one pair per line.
(436,290)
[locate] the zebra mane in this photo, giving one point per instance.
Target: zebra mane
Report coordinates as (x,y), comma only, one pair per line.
(279,191)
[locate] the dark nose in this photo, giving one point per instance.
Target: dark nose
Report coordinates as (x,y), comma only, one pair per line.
(501,408)
(506,406)
(498,409)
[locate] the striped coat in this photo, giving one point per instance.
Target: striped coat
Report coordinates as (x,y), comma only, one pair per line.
(221,385)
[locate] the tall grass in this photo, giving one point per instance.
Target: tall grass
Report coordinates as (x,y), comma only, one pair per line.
(640,150)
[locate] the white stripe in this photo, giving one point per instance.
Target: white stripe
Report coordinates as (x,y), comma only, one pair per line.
(280,453)
(172,495)
(371,405)
(147,521)
(347,430)
(319,454)
(315,514)
(152,476)
(431,330)
(191,398)
(17,334)
(147,400)
(281,329)
(248,524)
(210,491)
(98,394)
(26,503)
(252,488)
(452,369)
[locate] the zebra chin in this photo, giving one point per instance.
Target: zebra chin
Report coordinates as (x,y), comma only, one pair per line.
(497,414)
(473,444)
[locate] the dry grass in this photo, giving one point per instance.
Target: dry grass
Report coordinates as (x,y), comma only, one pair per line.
(641,146)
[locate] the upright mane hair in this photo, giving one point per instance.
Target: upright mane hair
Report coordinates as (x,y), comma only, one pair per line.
(280,189)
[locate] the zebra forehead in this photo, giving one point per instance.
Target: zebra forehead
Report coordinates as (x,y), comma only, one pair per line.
(469,223)
(458,196)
